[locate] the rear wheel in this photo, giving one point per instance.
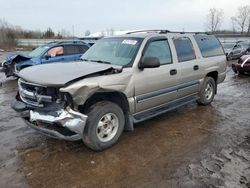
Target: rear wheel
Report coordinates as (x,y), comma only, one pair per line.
(104,125)
(207,92)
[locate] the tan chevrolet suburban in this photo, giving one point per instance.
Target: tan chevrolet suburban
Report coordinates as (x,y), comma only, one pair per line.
(120,81)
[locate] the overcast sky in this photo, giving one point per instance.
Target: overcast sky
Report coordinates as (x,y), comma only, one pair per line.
(99,15)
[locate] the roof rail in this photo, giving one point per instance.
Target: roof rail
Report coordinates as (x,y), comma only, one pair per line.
(149,31)
(162,31)
(70,41)
(191,32)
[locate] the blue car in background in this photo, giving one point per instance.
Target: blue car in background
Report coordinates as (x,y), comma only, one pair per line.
(53,52)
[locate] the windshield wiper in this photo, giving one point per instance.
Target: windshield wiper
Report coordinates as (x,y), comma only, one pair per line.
(97,61)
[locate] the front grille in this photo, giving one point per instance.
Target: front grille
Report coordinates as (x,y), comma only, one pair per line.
(34,94)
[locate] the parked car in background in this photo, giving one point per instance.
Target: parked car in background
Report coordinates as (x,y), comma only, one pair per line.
(236,50)
(243,65)
(246,46)
(64,51)
(227,47)
(124,80)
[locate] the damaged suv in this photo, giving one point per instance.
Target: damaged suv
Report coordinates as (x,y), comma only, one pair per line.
(62,51)
(122,80)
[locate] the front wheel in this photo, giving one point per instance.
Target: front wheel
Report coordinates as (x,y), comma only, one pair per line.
(104,125)
(207,93)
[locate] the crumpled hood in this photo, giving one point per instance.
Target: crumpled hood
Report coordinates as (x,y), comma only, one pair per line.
(16,57)
(59,74)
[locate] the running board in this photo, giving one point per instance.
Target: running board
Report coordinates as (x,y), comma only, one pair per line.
(142,116)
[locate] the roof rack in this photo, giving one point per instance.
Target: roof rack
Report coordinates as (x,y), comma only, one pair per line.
(70,41)
(65,41)
(187,32)
(149,31)
(162,31)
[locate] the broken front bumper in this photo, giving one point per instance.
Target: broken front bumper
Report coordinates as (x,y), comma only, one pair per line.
(65,124)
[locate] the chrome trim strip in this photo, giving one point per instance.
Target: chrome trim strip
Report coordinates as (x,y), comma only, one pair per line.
(160,92)
(32,95)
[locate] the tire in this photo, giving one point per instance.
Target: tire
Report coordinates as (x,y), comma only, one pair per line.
(104,125)
(207,93)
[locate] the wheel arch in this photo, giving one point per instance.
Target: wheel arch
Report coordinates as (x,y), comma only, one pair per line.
(116,97)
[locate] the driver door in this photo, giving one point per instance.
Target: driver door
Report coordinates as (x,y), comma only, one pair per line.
(156,86)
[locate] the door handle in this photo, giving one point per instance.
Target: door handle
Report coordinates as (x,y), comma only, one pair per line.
(173,72)
(196,67)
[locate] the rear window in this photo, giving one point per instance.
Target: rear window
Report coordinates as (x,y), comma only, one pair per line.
(209,45)
(184,49)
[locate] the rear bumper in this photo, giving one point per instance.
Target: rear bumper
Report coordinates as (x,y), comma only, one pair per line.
(65,124)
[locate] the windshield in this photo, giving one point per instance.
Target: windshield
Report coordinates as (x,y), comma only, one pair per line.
(116,51)
(228,45)
(38,51)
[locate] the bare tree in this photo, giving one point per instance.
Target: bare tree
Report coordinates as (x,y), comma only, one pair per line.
(233,25)
(241,18)
(214,19)
(248,27)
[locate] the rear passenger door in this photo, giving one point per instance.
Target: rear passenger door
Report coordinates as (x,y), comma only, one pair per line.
(155,86)
(189,69)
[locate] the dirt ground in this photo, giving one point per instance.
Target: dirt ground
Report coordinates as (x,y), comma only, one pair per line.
(193,146)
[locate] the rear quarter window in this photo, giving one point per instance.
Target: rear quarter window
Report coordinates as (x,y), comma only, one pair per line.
(209,45)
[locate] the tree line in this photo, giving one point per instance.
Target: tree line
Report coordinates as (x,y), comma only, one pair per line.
(9,33)
(240,22)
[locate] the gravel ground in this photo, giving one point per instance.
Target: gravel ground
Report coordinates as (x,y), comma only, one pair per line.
(193,146)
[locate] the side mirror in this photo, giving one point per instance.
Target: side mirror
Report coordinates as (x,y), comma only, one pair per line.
(47,56)
(149,62)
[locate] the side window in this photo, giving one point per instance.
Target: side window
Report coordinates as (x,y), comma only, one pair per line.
(209,45)
(71,50)
(56,51)
(184,49)
(83,49)
(159,49)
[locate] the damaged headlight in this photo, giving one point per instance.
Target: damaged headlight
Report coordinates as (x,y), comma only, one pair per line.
(64,96)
